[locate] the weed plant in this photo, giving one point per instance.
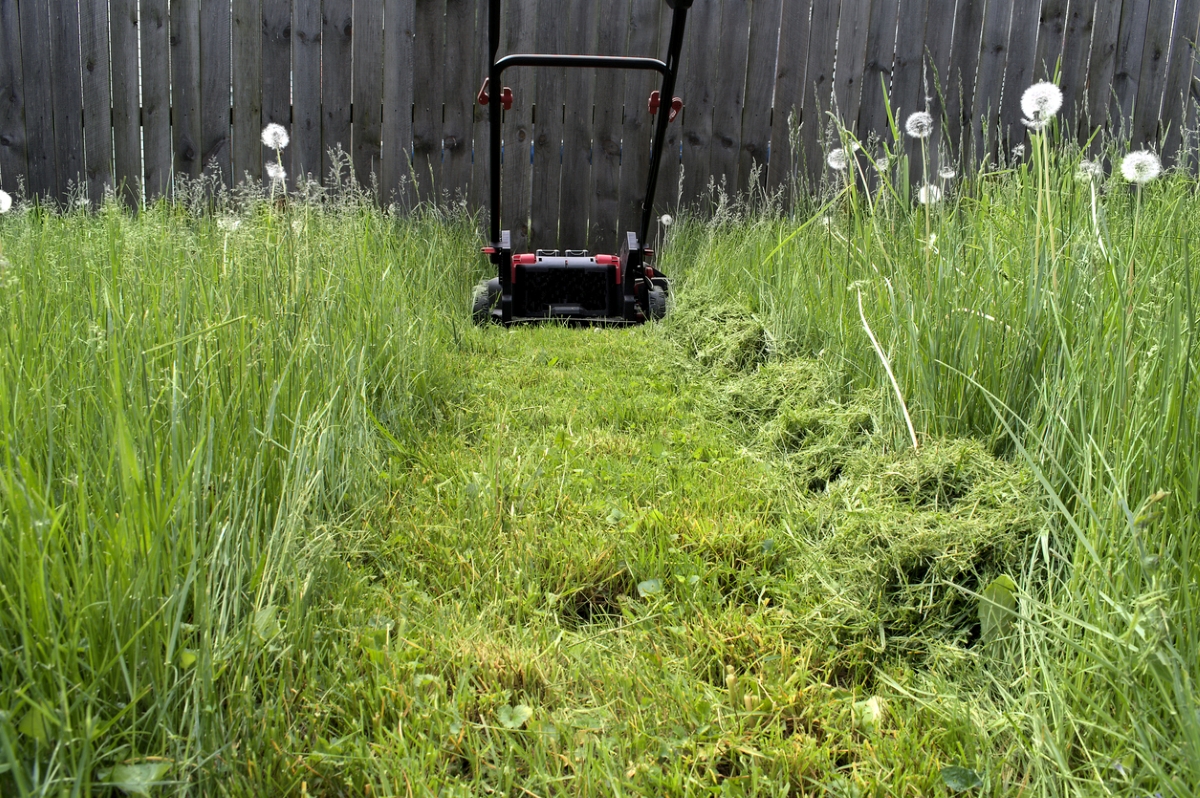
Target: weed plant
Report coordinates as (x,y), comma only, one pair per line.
(1047,311)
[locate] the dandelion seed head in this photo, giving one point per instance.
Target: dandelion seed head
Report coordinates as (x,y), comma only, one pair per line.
(275,137)
(1141,167)
(1018,151)
(5,202)
(947,173)
(227,224)
(665,220)
(929,194)
(1089,170)
(1040,103)
(855,146)
(838,159)
(919,125)
(276,173)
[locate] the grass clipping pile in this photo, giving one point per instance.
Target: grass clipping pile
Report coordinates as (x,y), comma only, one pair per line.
(891,546)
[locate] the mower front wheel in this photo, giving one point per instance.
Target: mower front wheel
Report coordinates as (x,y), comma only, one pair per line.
(487,296)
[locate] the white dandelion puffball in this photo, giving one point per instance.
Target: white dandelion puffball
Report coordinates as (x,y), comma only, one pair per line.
(919,125)
(665,220)
(228,224)
(946,173)
(276,173)
(1089,170)
(275,137)
(1040,103)
(5,202)
(929,194)
(1018,151)
(837,159)
(1141,167)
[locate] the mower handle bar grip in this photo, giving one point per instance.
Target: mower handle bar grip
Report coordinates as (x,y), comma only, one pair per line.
(594,61)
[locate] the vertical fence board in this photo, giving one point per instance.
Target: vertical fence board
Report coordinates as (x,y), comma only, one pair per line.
(339,31)
(67,94)
(789,95)
(428,59)
(881,51)
(480,135)
(126,104)
(1176,95)
(517,35)
(637,128)
(668,194)
(13,164)
(1077,43)
(993,56)
(1127,68)
(185,87)
(908,91)
(1102,64)
(215,82)
(306,147)
(42,174)
(546,177)
(851,61)
(1019,70)
(1152,79)
(247,90)
(276,71)
(579,103)
(396,128)
(154,27)
(729,95)
(939,44)
(704,53)
(1052,26)
(368,90)
(818,88)
(760,84)
(959,81)
(603,193)
(458,96)
(97,97)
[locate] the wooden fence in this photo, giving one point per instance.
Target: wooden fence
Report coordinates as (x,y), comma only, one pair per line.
(130,93)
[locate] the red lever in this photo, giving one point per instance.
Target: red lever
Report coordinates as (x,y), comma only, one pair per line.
(506,98)
(676,107)
(482,98)
(655,99)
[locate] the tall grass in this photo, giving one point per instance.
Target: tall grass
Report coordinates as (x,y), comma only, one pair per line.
(1054,333)
(194,414)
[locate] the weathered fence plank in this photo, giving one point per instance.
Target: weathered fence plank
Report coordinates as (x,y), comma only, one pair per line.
(457,98)
(818,88)
(339,31)
(306,147)
(185,87)
(760,86)
(1152,78)
(42,174)
(247,90)
(215,82)
(546,177)
(786,164)
(1052,26)
(368,91)
(1077,44)
(851,61)
(13,164)
(517,35)
(1127,69)
(1019,69)
(67,93)
(993,56)
(126,105)
(1101,65)
(908,89)
(876,81)
(729,95)
(396,126)
(429,58)
(958,84)
(154,27)
(603,193)
(668,194)
(704,51)
(276,72)
(477,196)
(637,128)
(579,100)
(97,97)
(1176,95)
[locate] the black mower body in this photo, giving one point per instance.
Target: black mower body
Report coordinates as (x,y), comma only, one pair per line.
(575,285)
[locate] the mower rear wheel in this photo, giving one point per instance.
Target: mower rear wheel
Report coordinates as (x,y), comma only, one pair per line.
(658,303)
(487,296)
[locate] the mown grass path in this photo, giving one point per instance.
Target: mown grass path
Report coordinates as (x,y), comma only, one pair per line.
(593,583)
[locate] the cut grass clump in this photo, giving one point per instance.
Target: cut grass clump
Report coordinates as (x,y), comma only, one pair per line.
(717,333)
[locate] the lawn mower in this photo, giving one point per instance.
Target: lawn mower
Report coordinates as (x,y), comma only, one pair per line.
(576,286)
